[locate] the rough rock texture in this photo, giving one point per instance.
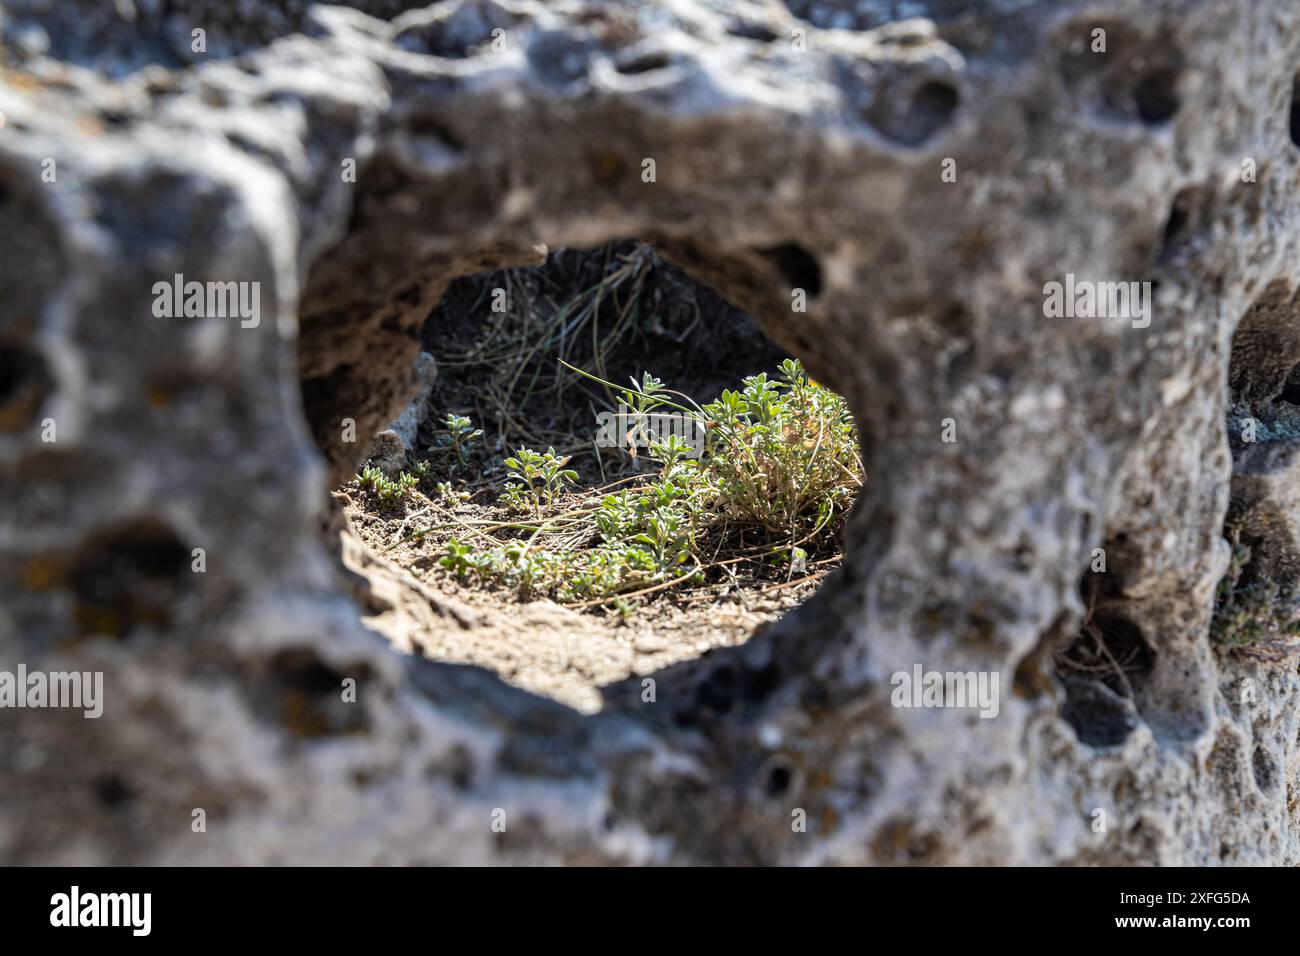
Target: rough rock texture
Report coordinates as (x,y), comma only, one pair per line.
(788,154)
(391,446)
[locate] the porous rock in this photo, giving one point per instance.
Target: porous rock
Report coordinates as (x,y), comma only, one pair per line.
(392,446)
(800,151)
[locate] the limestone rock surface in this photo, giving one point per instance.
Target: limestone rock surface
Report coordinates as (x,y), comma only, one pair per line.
(391,447)
(914,182)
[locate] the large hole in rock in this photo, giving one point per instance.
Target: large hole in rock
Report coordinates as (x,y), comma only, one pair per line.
(609,555)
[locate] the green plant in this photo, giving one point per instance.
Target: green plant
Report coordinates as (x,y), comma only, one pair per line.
(779,470)
(388,491)
(370,478)
(673,455)
(459,558)
(449,495)
(456,437)
(537,476)
(392,492)
(784,453)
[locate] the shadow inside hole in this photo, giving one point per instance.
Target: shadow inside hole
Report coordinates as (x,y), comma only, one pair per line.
(128,578)
(1290,393)
(914,120)
(779,779)
(25,384)
(309,698)
(617,309)
(1293,125)
(933,106)
(1103,671)
(1264,769)
(726,688)
(1156,96)
(1133,77)
(1175,226)
(797,265)
(113,791)
(752,30)
(643,63)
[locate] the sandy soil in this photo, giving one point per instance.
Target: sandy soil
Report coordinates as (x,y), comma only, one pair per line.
(540,646)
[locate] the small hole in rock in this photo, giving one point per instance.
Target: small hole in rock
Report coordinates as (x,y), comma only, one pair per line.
(1290,393)
(797,265)
(1110,650)
(130,577)
(1175,225)
(307,696)
(935,102)
(778,780)
(1264,769)
(749,30)
(24,385)
(434,128)
(1294,119)
(645,63)
(1156,96)
(302,670)
(1103,671)
(112,791)
(912,116)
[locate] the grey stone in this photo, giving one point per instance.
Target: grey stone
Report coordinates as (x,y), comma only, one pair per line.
(392,446)
(779,166)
